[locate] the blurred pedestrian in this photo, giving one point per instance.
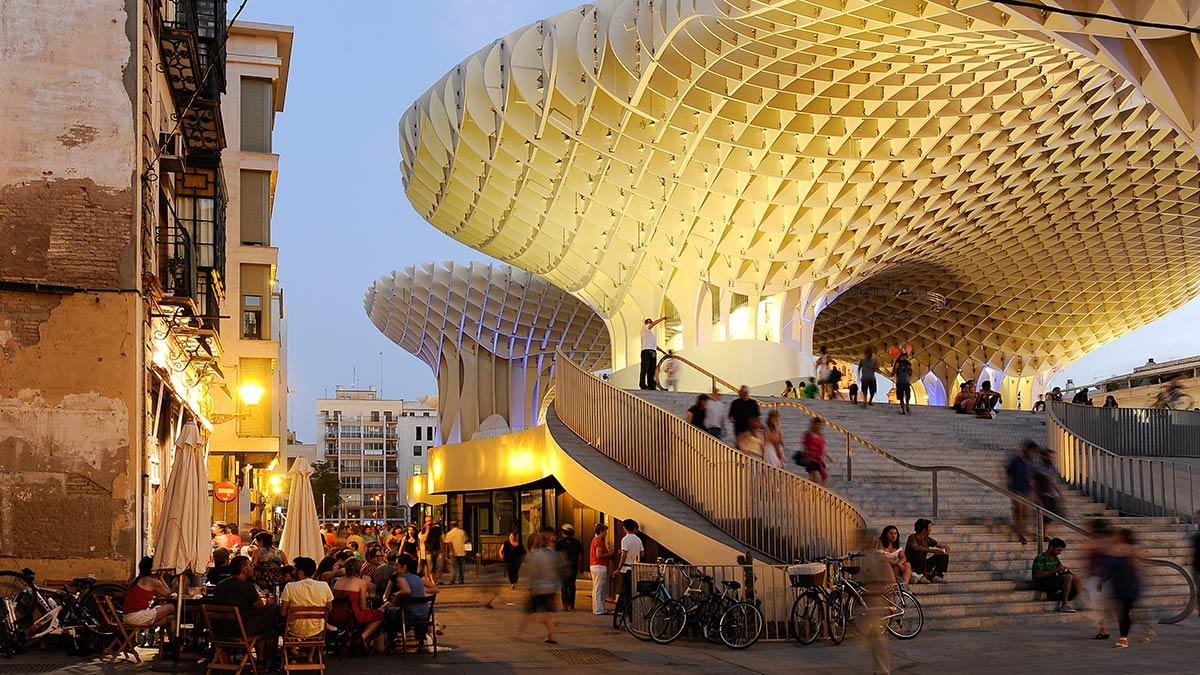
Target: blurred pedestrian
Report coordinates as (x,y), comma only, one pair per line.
(812,458)
(750,441)
(1045,486)
(697,414)
(1124,579)
(715,412)
(867,367)
(789,391)
(1018,473)
(743,410)
(902,372)
(773,440)
(824,367)
(670,371)
(876,578)
(1100,537)
(572,550)
(544,577)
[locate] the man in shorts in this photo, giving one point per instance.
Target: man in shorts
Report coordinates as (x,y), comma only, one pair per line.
(544,574)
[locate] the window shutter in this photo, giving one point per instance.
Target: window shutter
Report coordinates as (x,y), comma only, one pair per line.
(255,208)
(259,372)
(256,114)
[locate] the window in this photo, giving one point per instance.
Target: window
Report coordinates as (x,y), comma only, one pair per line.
(373,465)
(258,420)
(417,450)
(255,208)
(418,433)
(257,113)
(418,469)
(251,317)
(255,287)
(429,433)
(374,415)
(424,414)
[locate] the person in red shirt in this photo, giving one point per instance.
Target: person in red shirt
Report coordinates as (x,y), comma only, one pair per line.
(813,460)
(598,559)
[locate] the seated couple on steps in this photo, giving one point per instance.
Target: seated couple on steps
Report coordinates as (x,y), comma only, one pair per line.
(928,558)
(982,403)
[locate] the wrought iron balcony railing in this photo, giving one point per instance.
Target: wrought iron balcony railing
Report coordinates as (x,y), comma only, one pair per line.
(177,272)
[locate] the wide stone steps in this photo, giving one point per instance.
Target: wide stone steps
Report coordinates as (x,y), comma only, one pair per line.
(989,578)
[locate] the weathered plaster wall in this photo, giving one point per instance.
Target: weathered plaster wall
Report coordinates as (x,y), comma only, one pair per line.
(70,376)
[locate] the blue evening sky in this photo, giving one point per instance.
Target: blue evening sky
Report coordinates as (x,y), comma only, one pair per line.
(341,219)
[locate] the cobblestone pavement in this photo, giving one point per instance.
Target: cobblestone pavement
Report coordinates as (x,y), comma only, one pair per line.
(479,640)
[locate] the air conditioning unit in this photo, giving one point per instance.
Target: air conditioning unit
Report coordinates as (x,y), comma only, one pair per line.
(172,153)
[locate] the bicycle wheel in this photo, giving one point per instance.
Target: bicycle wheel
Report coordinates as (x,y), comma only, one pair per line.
(741,625)
(909,619)
(17,590)
(637,615)
(94,633)
(667,622)
(807,618)
(856,614)
(835,616)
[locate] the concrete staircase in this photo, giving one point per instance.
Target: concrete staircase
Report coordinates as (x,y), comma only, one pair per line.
(989,580)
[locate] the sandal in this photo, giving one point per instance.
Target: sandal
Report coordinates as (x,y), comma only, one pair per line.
(1122,643)
(1100,636)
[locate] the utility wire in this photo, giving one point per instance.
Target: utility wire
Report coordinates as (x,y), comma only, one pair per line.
(220,56)
(1093,15)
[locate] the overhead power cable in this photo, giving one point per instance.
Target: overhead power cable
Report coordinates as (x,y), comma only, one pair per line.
(1094,15)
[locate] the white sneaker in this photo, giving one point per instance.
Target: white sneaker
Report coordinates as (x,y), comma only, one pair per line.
(921,580)
(937,580)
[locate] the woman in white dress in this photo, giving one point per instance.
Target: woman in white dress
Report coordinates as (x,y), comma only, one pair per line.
(893,553)
(773,440)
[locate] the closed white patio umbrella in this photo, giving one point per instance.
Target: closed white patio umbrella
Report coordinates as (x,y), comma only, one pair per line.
(182,541)
(302,531)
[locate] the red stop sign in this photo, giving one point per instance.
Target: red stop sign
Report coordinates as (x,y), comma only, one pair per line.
(225,491)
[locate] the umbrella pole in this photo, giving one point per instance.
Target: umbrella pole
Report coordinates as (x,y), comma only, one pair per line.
(175,666)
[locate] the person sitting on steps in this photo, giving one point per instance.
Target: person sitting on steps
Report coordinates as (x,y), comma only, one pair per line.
(927,557)
(1053,579)
(986,401)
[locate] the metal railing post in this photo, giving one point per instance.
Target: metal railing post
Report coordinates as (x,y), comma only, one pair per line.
(849,460)
(935,494)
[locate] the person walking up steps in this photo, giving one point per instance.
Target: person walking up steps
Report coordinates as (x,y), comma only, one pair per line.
(867,368)
(646,378)
(812,458)
(902,371)
(824,367)
(1019,473)
(1123,575)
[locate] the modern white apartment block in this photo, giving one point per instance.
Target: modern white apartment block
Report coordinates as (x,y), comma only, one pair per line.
(375,445)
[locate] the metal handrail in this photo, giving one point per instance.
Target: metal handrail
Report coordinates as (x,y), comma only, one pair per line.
(1150,432)
(1038,509)
(778,513)
(716,379)
(1117,480)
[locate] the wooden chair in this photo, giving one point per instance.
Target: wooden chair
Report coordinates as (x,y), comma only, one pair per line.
(123,642)
(225,646)
(405,623)
(311,650)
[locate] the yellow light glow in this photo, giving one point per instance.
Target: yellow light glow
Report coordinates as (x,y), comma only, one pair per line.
(435,468)
(276,480)
(271,467)
(251,393)
(520,461)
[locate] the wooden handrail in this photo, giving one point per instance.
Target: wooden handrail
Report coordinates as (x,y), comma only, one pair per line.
(716,379)
(934,470)
(777,513)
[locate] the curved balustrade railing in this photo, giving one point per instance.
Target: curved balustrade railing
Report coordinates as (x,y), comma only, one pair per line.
(716,379)
(1041,513)
(1133,432)
(1134,485)
(781,515)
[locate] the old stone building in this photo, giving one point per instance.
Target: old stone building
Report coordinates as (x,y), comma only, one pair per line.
(111,268)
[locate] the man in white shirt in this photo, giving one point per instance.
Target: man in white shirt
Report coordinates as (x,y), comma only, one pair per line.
(631,552)
(307,592)
(649,354)
(456,541)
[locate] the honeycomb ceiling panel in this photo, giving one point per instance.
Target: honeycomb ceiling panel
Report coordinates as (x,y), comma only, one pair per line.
(1033,177)
(505,310)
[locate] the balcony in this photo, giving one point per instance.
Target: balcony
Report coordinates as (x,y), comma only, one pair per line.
(177,271)
(191,33)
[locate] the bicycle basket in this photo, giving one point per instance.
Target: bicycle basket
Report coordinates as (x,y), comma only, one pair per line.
(647,586)
(807,575)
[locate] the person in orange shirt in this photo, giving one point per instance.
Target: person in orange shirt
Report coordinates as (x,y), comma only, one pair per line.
(599,557)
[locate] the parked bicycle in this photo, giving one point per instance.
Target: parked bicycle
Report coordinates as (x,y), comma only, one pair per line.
(633,613)
(718,616)
(33,612)
(817,610)
(902,616)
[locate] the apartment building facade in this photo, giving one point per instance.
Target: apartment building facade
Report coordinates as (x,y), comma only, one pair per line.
(375,445)
(112,268)
(249,451)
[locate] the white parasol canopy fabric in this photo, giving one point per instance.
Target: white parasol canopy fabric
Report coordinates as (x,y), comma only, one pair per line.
(302,531)
(181,534)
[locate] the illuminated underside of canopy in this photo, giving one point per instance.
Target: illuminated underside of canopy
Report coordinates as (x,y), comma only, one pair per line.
(488,332)
(995,186)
